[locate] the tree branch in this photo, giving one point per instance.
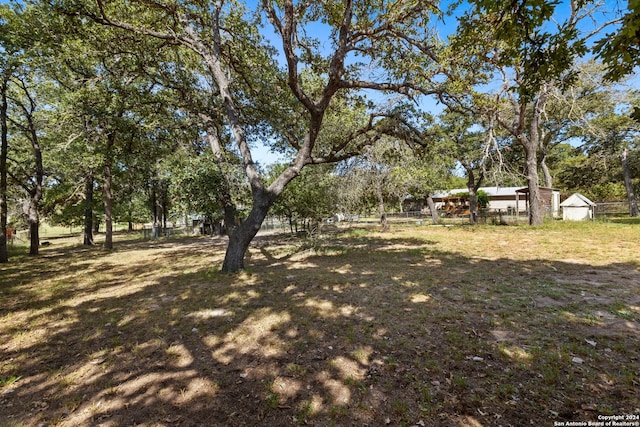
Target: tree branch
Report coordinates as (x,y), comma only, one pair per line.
(406,88)
(288,34)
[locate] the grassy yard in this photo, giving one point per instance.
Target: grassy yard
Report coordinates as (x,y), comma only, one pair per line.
(430,326)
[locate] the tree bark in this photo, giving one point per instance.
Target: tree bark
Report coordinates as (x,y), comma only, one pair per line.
(153,202)
(529,121)
(33,216)
(535,201)
(628,184)
(34,236)
(107,191)
(165,205)
(88,210)
(243,234)
(530,145)
(548,179)
(473,205)
(473,187)
(108,206)
(224,192)
(432,208)
(4,254)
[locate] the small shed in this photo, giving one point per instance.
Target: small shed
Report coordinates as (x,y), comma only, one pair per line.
(577,208)
(549,199)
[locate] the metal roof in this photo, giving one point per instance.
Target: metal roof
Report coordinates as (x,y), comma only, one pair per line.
(491,191)
(577,200)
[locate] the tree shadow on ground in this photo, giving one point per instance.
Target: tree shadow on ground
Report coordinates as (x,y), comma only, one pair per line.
(625,220)
(351,331)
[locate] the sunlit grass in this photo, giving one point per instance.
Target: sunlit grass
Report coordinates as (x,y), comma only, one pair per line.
(346,328)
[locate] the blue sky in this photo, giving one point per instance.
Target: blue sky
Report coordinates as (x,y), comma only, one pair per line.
(263,155)
(612,9)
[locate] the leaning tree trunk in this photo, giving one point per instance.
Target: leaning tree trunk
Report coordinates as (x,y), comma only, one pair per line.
(628,184)
(432,208)
(35,191)
(241,235)
(548,179)
(88,210)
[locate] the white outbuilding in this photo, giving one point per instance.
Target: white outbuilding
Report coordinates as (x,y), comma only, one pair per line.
(578,208)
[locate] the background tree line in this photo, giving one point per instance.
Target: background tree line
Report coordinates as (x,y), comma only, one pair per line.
(144,111)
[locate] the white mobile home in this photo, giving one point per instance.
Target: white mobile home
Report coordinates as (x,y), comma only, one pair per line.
(508,199)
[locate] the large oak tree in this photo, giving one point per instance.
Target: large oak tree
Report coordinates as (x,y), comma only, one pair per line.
(255,97)
(527,49)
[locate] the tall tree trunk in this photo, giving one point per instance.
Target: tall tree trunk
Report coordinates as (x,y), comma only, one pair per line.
(88,210)
(628,184)
(473,205)
(535,201)
(107,191)
(157,223)
(473,187)
(32,218)
(34,236)
(36,193)
(165,207)
(4,254)
(108,206)
(34,187)
(530,145)
(153,202)
(432,208)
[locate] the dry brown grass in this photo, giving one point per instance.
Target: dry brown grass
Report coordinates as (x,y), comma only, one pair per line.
(461,326)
